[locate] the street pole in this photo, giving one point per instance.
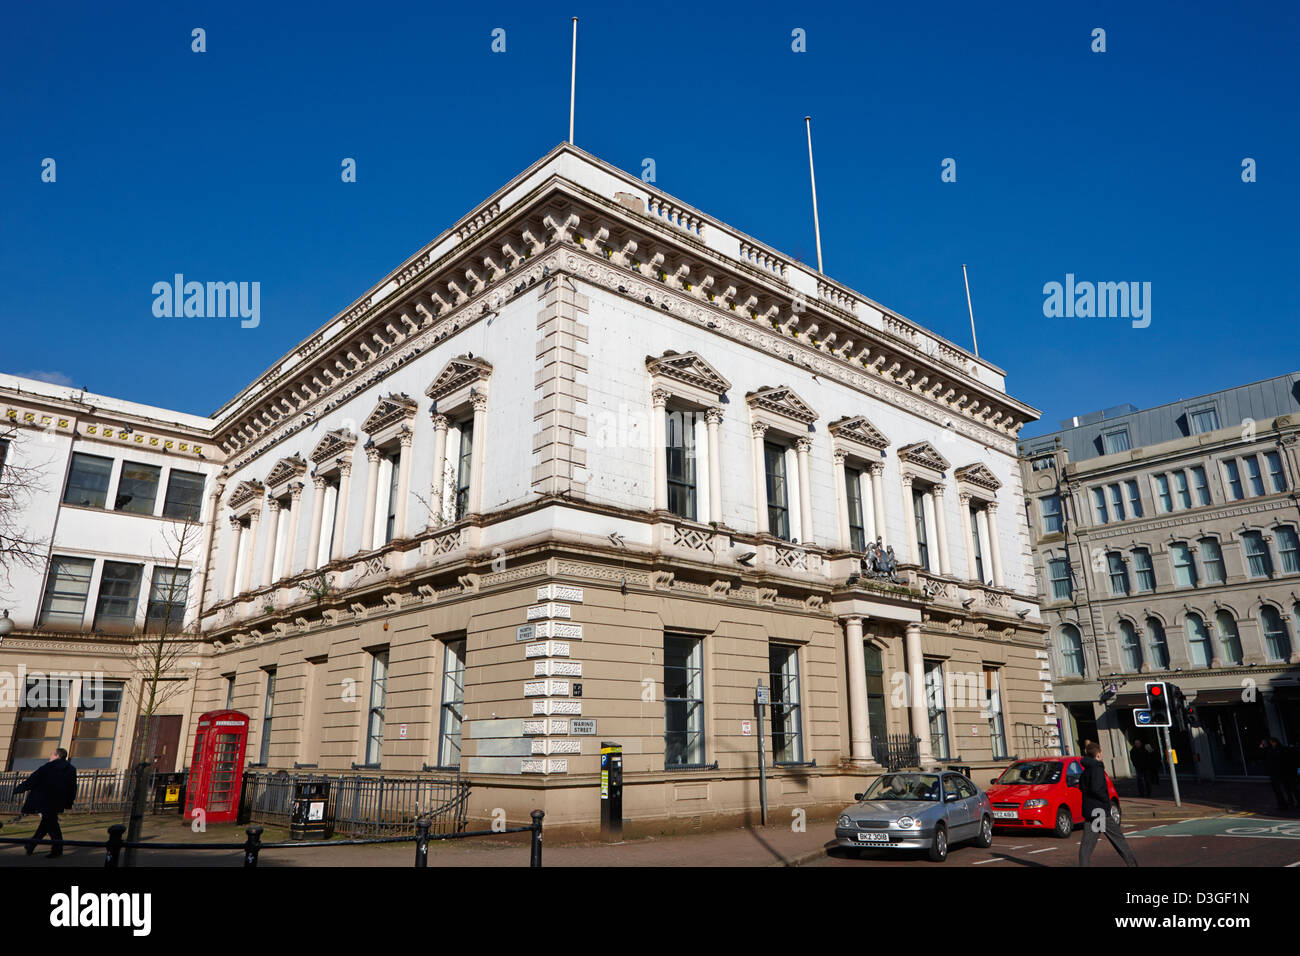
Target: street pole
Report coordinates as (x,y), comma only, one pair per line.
(1173,767)
(760,698)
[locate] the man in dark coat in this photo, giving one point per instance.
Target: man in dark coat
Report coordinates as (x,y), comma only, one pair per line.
(51,789)
(1096,810)
(1138,757)
(1281,771)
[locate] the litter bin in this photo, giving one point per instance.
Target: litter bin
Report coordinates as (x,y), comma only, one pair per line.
(308,817)
(168,792)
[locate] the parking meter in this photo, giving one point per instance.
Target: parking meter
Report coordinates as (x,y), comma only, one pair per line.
(611,790)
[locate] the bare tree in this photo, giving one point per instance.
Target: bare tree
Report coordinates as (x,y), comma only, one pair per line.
(19,483)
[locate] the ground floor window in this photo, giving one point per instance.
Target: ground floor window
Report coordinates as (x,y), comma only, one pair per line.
(935,707)
(997,727)
(453,704)
(683,701)
(95,728)
(39,728)
(783,668)
(378,702)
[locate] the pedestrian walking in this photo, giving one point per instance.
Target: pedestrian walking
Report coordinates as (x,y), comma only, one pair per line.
(1097,818)
(51,789)
(1138,757)
(1281,772)
(1154,762)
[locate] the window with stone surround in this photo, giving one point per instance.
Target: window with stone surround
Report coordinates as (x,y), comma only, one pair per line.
(378,707)
(787,719)
(452,717)
(683,701)
(1198,641)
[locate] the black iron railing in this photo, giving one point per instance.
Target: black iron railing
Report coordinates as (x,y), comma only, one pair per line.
(896,751)
(98,791)
(362,805)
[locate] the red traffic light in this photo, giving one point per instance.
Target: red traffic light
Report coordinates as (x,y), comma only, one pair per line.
(1156,690)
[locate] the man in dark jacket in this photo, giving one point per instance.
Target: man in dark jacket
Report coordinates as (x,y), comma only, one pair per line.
(1138,757)
(51,789)
(1281,771)
(1096,809)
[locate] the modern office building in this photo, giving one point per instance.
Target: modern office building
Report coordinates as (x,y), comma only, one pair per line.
(1165,542)
(589,467)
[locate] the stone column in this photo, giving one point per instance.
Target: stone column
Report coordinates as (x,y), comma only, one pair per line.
(372,492)
(272,532)
(250,543)
(963,512)
(909,521)
(659,440)
(941,530)
(439,467)
(403,483)
(760,477)
(982,528)
(916,687)
(859,719)
(236,539)
(317,520)
(713,419)
(842,503)
(802,447)
(291,537)
(341,508)
(878,498)
(476,466)
(995,553)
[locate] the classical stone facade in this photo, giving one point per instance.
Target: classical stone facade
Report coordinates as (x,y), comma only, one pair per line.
(589,467)
(1165,541)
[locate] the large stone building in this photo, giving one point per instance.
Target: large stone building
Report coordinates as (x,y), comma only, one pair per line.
(590,466)
(1165,541)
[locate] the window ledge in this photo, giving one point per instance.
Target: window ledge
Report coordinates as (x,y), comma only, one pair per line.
(691,768)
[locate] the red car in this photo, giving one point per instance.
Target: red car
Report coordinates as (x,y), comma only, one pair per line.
(1042,794)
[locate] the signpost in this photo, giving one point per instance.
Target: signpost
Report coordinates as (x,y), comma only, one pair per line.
(760,701)
(1160,720)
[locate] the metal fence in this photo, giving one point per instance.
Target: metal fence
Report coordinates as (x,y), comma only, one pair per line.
(1033,741)
(896,751)
(98,791)
(361,805)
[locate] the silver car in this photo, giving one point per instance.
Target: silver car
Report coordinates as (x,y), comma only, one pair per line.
(917,811)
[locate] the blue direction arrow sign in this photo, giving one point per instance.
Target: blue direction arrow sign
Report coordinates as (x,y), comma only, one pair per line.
(1142,717)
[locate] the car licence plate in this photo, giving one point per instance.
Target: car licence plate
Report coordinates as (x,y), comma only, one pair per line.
(873,837)
(1004,814)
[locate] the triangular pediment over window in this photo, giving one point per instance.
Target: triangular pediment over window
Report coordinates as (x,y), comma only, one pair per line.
(334,443)
(924,454)
(782,400)
(861,431)
(390,410)
(459,372)
(978,474)
(284,469)
(245,492)
(689,368)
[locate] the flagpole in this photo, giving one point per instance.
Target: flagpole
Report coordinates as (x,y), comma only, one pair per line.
(969,309)
(573,78)
(817,228)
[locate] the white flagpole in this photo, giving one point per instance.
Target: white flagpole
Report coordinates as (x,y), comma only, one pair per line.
(969,309)
(817,228)
(573,78)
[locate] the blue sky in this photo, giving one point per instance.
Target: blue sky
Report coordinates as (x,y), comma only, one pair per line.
(225,165)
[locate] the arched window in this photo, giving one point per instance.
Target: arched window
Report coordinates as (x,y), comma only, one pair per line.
(1159,645)
(1071,651)
(1198,641)
(1277,642)
(1129,648)
(1229,639)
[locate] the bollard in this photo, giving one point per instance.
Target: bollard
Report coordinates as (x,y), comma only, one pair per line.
(422,842)
(113,848)
(535,858)
(252,845)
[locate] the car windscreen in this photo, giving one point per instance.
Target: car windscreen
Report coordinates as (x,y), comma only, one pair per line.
(1031,772)
(921,787)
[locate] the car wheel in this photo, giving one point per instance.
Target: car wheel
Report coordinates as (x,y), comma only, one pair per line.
(1114,812)
(939,845)
(985,839)
(1064,824)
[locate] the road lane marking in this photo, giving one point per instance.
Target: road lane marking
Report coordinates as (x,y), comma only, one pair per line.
(1000,859)
(1048,849)
(1296,863)
(1021,846)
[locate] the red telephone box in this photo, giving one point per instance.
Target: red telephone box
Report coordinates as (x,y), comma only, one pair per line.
(217,768)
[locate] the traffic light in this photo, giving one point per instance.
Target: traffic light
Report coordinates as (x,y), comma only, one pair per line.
(1158,704)
(1178,705)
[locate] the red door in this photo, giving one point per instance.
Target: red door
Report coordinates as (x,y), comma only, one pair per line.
(164,742)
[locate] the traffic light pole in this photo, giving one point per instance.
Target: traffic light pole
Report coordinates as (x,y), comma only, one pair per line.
(1173,767)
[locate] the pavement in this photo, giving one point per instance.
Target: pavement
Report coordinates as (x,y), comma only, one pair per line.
(1222,804)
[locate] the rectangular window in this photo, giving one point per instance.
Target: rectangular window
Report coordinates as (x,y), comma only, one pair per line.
(680,437)
(39,727)
(167,599)
(394,473)
(1253,475)
(1211,560)
(119,596)
(936,710)
(1234,480)
(1134,498)
(1146,573)
(1258,561)
(184,500)
(977,551)
(1205,419)
(778,505)
(783,669)
(1164,501)
(683,701)
(268,711)
(997,728)
(95,727)
(1042,464)
(1118,573)
(922,541)
(378,702)
(853,493)
(1181,490)
(1049,509)
(66,590)
(466,468)
(1276,479)
(88,481)
(137,488)
(1184,566)
(1201,485)
(1058,571)
(1288,550)
(1099,505)
(230,691)
(453,705)
(1117,502)
(1114,441)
